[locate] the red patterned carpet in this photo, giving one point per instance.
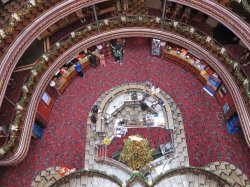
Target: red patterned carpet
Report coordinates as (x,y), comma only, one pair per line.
(64,138)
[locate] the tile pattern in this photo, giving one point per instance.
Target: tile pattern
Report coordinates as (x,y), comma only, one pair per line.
(46,177)
(229,172)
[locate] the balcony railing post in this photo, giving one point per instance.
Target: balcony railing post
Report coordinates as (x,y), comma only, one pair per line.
(163,11)
(96,18)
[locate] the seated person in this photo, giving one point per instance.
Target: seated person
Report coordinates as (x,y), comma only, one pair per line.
(144,106)
(160,102)
(148,84)
(64,72)
(94,109)
(93,118)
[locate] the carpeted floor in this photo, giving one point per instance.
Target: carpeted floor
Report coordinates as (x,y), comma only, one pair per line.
(63,142)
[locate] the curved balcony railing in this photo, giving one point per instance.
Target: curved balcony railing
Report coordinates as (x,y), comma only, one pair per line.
(185,27)
(10,21)
(115,163)
(170,173)
(192,170)
(86,172)
(21,127)
(17,47)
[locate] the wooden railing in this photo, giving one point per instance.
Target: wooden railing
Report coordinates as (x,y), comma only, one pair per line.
(17,47)
(173,172)
(124,27)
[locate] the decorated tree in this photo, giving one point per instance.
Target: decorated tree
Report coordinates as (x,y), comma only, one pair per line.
(136,152)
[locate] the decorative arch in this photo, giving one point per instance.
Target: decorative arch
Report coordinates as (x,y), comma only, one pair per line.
(193,170)
(89,173)
(27,36)
(227,78)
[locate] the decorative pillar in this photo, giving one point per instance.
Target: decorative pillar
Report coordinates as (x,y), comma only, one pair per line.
(163,9)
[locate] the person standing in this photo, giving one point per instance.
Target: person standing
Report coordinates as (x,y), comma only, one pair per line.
(102,60)
(117,52)
(92,59)
(78,69)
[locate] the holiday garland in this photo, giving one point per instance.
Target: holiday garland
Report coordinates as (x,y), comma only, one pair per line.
(47,58)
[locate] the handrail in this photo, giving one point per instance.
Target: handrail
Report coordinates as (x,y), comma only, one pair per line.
(88,172)
(195,170)
(222,14)
(101,23)
(116,163)
(17,48)
(244,116)
(172,172)
(201,33)
(166,21)
(28,6)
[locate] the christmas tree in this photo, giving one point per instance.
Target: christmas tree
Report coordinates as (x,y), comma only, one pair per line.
(136,152)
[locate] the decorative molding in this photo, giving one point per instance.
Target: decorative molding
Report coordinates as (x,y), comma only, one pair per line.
(18,47)
(23,146)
